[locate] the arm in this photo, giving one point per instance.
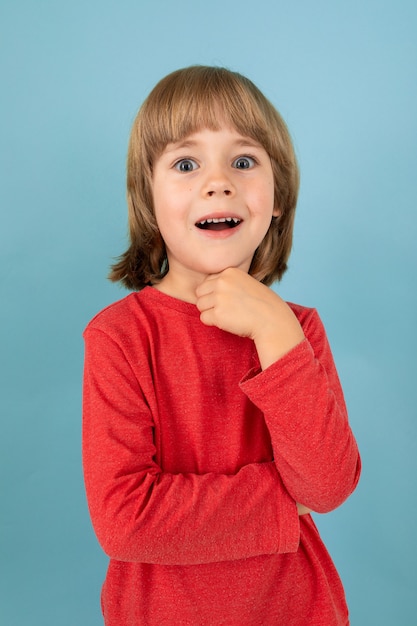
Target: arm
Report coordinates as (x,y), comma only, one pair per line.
(302,401)
(141,513)
(298,392)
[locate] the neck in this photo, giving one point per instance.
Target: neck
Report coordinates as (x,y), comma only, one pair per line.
(180,287)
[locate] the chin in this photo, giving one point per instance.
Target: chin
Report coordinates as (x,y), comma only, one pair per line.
(217,269)
(219,265)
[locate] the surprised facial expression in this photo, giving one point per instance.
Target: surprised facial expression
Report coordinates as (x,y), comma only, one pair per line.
(213,198)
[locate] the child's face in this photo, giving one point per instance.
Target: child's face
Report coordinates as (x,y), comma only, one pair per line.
(214,200)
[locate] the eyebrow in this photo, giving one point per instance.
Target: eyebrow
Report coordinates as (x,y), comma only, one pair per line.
(187,143)
(251,143)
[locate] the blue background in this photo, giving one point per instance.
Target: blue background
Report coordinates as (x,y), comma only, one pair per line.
(72,77)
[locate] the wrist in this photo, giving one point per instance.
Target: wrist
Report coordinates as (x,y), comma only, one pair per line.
(272,349)
(274,340)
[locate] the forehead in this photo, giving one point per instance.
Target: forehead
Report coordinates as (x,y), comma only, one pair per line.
(175,116)
(207,137)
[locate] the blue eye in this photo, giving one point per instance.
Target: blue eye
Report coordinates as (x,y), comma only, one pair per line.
(243,163)
(186,165)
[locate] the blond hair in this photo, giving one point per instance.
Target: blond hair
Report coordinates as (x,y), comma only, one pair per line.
(182,103)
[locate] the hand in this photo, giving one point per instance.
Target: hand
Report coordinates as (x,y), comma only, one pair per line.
(302,510)
(232,301)
(236,302)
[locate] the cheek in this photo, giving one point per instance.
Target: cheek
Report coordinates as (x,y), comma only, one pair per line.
(265,189)
(263,201)
(163,205)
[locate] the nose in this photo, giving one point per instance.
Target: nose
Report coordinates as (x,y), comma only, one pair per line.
(218,183)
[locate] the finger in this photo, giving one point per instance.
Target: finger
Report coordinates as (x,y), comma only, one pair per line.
(203,290)
(207,318)
(205,302)
(207,285)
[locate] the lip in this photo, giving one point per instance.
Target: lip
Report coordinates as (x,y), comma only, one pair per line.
(219,234)
(225,233)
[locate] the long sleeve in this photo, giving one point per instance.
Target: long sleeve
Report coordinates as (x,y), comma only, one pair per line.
(194,460)
(302,401)
(142,513)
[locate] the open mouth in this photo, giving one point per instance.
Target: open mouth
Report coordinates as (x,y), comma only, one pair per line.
(221,223)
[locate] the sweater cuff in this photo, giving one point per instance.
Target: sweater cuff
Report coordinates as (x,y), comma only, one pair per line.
(289,525)
(254,383)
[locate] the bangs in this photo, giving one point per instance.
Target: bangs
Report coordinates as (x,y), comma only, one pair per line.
(184,103)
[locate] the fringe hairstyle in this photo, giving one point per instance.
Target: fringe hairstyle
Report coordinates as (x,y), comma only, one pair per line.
(182,103)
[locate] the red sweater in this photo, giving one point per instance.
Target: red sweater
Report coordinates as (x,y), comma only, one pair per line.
(194,460)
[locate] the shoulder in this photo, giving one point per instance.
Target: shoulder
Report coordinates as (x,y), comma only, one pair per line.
(304,314)
(120,316)
(314,331)
(111,313)
(310,321)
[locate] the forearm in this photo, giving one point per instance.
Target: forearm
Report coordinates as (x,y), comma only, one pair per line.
(278,332)
(187,519)
(314,448)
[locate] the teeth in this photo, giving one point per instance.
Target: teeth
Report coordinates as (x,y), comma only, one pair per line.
(216,220)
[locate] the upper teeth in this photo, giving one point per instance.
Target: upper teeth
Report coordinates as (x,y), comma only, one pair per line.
(216,220)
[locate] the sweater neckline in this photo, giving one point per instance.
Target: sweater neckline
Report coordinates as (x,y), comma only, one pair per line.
(163,299)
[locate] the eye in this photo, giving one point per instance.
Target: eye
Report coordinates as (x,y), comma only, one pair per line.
(244,163)
(186,165)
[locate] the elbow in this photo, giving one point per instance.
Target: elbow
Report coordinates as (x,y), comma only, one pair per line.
(334,490)
(118,545)
(113,542)
(121,519)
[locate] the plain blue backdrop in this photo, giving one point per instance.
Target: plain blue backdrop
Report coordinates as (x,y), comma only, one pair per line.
(73,75)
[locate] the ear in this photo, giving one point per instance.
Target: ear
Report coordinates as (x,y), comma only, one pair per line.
(276,212)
